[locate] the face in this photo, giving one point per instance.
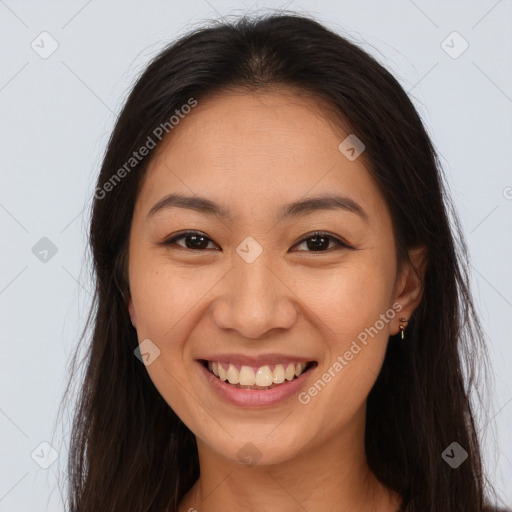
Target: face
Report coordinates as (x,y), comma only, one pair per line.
(248,281)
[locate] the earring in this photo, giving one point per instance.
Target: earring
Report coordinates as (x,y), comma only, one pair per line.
(402,327)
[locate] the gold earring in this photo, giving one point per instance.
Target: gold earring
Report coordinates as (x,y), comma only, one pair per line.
(402,327)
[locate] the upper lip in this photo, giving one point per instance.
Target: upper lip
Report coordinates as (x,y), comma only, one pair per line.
(261,360)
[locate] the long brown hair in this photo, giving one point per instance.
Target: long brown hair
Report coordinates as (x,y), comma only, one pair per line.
(129,451)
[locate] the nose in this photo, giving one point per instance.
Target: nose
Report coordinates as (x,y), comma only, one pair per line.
(254,300)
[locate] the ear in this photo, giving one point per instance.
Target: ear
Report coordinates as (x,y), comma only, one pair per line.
(410,285)
(131,310)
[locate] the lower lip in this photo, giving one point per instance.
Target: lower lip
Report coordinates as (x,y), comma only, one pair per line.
(253,397)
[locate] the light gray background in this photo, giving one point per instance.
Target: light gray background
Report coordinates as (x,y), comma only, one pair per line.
(57,114)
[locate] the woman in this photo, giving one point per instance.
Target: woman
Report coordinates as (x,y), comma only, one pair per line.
(281,312)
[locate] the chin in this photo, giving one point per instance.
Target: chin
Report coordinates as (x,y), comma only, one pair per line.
(252,451)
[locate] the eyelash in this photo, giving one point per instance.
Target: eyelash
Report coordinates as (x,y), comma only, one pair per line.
(339,242)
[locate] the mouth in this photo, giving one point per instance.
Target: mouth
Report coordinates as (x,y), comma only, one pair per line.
(265,377)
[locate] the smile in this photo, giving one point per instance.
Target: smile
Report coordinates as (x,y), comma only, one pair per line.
(257,377)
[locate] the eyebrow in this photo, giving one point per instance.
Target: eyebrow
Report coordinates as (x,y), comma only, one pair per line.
(297,208)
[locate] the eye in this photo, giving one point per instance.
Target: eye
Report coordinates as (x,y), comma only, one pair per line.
(194,240)
(320,241)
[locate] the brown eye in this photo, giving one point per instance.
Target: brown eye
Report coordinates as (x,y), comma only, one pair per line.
(192,240)
(320,242)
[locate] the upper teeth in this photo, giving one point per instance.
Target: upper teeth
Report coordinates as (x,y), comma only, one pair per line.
(260,376)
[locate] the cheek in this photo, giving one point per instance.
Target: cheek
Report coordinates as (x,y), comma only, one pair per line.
(164,305)
(353,305)
(169,301)
(163,297)
(350,298)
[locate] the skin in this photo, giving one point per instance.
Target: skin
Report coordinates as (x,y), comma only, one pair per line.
(255,153)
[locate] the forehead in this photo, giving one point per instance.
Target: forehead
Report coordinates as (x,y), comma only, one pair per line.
(254,150)
(248,121)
